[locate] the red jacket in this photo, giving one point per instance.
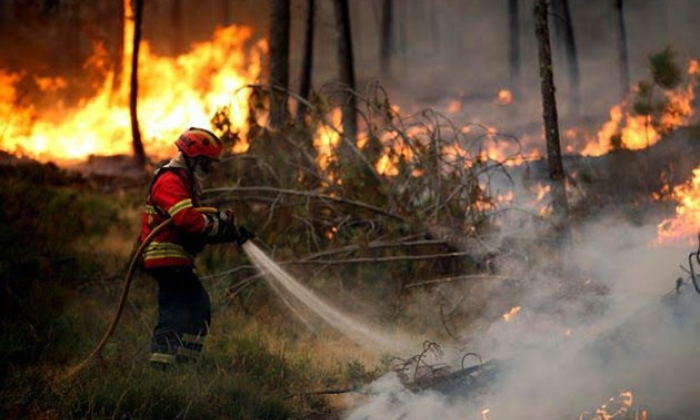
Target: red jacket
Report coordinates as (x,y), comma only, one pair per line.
(172,194)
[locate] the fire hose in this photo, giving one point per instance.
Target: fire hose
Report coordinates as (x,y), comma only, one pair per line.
(125,291)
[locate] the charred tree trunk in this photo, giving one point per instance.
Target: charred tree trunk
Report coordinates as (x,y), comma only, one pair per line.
(279,61)
(557,176)
(308,63)
(623,60)
(139,154)
(386,46)
(177,39)
(346,64)
(571,56)
(514,45)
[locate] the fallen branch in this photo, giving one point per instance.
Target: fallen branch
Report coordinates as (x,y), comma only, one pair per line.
(325,392)
(459,278)
(377,259)
(310,194)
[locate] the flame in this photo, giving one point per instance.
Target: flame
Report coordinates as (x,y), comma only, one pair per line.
(327,138)
(485,414)
(174,93)
(623,407)
(510,314)
(505,97)
(636,131)
(454,106)
(686,223)
(395,151)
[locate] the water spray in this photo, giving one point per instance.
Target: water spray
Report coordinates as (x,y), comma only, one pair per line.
(278,279)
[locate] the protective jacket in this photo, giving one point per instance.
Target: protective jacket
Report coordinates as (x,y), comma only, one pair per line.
(173,193)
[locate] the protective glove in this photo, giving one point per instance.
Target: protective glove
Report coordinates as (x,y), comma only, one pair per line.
(244,235)
(222,227)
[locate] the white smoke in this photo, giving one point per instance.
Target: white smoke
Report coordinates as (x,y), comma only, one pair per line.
(565,355)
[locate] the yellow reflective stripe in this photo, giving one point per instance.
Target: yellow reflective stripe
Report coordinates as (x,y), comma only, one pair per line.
(151,210)
(163,246)
(191,338)
(163,358)
(178,207)
(155,257)
(164,250)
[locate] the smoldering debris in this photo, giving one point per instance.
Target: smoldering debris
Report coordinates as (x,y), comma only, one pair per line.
(635,359)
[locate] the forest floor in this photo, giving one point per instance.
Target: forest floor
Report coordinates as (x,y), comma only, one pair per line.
(68,238)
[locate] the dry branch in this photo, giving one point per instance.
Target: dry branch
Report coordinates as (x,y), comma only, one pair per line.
(459,278)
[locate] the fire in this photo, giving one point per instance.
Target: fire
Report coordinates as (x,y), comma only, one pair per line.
(327,138)
(395,151)
(174,93)
(454,106)
(485,414)
(624,405)
(505,97)
(510,314)
(686,224)
(636,131)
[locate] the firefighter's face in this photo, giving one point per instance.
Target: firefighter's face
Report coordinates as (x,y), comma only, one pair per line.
(204,167)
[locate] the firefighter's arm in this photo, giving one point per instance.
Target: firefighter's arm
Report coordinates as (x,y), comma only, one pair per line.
(172,196)
(227,230)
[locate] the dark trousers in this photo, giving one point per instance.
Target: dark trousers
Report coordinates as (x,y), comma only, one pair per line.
(184,315)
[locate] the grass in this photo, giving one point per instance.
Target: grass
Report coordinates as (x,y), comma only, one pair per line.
(59,287)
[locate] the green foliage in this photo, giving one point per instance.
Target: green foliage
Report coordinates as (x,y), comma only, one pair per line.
(44,219)
(55,312)
(666,75)
(664,69)
(226,384)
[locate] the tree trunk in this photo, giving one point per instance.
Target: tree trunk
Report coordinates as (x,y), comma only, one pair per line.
(176,41)
(560,207)
(346,66)
(308,63)
(514,45)
(571,56)
(386,46)
(139,154)
(279,61)
(623,60)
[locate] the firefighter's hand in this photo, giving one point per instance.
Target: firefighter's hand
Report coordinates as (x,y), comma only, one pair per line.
(222,228)
(244,235)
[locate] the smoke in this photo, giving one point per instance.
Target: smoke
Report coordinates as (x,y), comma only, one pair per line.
(626,346)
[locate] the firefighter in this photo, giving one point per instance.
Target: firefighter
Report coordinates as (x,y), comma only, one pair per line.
(184,309)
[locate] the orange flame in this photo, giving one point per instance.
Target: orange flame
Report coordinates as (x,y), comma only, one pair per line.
(485,414)
(510,314)
(505,97)
(636,131)
(454,106)
(327,138)
(686,224)
(174,93)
